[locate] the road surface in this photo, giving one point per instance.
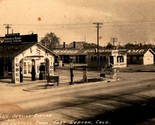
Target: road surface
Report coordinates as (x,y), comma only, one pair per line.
(130,101)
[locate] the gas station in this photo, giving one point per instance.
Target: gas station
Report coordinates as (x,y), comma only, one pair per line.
(22,56)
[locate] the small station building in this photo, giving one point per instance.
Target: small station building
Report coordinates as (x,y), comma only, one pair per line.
(117,58)
(22,56)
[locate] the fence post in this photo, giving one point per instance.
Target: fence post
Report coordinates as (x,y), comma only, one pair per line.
(71,72)
(85,74)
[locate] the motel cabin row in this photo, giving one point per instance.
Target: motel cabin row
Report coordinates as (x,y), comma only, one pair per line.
(119,58)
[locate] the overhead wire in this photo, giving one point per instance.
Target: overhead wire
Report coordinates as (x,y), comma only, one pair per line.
(107,24)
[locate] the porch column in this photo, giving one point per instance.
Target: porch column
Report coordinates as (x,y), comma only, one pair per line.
(108,59)
(21,70)
(125,60)
(51,66)
(15,71)
(115,60)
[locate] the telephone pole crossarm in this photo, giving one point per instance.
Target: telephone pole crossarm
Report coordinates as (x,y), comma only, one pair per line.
(7,26)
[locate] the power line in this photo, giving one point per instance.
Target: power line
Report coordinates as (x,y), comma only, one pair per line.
(71,24)
(114,23)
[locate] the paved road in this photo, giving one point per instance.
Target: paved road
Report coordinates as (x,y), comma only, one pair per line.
(126,102)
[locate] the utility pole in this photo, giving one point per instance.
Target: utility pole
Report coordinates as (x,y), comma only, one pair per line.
(113,40)
(7,26)
(98,26)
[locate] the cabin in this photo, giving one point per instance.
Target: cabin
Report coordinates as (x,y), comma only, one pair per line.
(140,56)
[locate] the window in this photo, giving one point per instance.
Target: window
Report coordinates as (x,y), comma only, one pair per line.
(29,68)
(101,58)
(24,67)
(93,58)
(104,58)
(120,59)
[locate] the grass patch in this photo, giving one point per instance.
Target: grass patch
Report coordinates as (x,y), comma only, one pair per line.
(138,68)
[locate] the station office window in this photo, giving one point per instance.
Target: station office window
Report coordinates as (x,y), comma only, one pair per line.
(120,59)
(104,58)
(29,68)
(101,58)
(93,58)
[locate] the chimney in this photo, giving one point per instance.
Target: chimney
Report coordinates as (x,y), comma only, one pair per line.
(64,45)
(74,44)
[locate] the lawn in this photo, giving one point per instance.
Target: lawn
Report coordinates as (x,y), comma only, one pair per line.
(138,68)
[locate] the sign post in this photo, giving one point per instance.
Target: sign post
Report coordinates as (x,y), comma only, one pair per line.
(85,74)
(71,72)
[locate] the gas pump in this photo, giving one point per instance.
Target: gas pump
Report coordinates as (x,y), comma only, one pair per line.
(42,72)
(33,72)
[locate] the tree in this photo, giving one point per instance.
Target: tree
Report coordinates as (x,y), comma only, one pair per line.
(109,46)
(130,46)
(50,40)
(89,45)
(138,46)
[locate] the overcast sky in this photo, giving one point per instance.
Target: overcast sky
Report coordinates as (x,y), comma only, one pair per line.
(72,20)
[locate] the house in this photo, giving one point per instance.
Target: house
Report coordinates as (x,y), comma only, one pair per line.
(140,56)
(22,55)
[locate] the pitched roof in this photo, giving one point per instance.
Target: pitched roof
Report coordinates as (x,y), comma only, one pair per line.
(50,51)
(12,50)
(139,51)
(64,51)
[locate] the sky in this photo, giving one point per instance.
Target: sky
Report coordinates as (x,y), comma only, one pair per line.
(72,20)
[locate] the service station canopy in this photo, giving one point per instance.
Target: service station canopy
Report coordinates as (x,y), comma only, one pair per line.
(16,47)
